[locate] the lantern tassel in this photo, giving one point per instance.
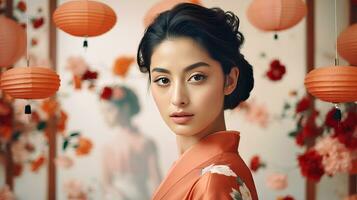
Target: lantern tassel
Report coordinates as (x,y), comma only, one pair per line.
(275,36)
(28,109)
(337,115)
(85,43)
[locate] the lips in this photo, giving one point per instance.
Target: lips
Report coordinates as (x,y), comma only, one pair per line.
(181,117)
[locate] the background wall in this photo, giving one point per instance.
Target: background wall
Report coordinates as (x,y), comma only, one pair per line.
(270,142)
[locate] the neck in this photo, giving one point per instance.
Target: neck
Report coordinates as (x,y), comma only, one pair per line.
(184,142)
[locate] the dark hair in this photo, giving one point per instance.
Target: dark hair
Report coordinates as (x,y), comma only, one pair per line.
(214,29)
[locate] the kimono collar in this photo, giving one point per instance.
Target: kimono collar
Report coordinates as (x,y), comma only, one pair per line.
(201,152)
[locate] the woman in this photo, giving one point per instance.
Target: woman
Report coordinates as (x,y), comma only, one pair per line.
(130,161)
(196,71)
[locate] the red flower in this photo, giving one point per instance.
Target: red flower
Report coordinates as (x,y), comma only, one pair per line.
(346,131)
(276,70)
(303,104)
(286,198)
(84,146)
(106,93)
(34,42)
(17,169)
(36,164)
(21,6)
(37,23)
(90,75)
(329,120)
(311,165)
(309,128)
(255,163)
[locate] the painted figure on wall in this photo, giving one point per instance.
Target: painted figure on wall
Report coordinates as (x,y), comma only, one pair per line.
(130,160)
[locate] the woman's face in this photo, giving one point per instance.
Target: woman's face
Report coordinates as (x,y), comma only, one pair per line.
(111,113)
(186,81)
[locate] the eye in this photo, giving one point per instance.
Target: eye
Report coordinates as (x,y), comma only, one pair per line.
(162,81)
(198,77)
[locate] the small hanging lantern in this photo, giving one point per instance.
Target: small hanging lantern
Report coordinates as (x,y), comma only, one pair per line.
(84,18)
(163,6)
(276,15)
(336,84)
(347,44)
(29,83)
(12,41)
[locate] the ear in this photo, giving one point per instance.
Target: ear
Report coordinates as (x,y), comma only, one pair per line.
(231,81)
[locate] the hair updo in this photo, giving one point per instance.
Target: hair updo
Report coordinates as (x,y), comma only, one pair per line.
(214,29)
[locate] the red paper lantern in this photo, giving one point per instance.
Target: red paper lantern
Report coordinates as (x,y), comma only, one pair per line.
(336,84)
(163,6)
(347,44)
(85,18)
(29,82)
(276,15)
(12,41)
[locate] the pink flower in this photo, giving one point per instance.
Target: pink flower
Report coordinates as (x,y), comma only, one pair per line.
(255,113)
(64,162)
(118,94)
(74,190)
(277,181)
(335,155)
(19,151)
(258,114)
(6,194)
(77,66)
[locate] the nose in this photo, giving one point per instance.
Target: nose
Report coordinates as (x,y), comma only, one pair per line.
(179,96)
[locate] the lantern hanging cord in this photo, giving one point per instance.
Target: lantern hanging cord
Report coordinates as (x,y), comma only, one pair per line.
(336,54)
(27,40)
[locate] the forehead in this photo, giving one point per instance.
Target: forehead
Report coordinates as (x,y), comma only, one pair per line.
(179,52)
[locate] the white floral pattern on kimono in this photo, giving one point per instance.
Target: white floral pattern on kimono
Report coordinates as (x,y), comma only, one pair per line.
(243,193)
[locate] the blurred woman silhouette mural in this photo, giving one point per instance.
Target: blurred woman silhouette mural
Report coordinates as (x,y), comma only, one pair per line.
(196,71)
(130,161)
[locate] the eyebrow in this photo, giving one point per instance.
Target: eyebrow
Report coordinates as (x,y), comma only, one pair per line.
(188,68)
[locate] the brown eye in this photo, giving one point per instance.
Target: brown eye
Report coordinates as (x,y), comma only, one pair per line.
(198,77)
(162,81)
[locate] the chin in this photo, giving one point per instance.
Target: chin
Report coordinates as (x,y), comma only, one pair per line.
(183,130)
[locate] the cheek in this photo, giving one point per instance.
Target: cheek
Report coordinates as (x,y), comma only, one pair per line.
(159,98)
(213,92)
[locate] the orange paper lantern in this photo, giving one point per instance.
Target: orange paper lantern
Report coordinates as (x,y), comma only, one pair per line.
(85,18)
(347,44)
(163,6)
(12,41)
(336,84)
(276,15)
(30,82)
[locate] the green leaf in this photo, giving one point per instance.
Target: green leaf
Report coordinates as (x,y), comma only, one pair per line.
(42,125)
(74,134)
(65,144)
(239,181)
(287,106)
(16,135)
(293,134)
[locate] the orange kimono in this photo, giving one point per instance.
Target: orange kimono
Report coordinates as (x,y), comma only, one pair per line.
(210,170)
